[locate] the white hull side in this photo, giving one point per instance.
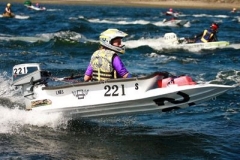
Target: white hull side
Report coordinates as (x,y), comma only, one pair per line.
(157,92)
(209,45)
(91,102)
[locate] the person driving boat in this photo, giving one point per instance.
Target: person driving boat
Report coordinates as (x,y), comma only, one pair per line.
(105,63)
(170,12)
(234,10)
(208,35)
(37,5)
(8,12)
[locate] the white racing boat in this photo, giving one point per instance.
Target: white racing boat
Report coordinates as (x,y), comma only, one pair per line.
(14,16)
(36,8)
(154,93)
(172,40)
(175,22)
(169,13)
(11,15)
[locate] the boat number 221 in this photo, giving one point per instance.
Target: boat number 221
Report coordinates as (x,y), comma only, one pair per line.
(116,90)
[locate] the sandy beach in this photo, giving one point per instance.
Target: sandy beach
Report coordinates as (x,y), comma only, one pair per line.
(211,4)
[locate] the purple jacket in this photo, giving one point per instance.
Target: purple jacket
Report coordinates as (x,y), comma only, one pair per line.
(117,65)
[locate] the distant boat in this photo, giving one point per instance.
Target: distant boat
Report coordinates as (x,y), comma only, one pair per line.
(27,3)
(176,22)
(11,15)
(172,40)
(36,8)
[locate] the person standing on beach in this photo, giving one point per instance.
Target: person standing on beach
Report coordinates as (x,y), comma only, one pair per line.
(105,63)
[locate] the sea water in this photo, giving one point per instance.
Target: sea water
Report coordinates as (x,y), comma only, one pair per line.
(63,38)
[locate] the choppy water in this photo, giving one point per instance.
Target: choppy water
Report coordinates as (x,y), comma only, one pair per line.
(63,39)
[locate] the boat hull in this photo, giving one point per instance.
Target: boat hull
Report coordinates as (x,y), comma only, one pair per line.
(116,98)
(176,22)
(157,92)
(173,41)
(35,8)
(8,15)
(209,45)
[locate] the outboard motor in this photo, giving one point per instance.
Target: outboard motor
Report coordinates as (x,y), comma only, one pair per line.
(171,38)
(27,76)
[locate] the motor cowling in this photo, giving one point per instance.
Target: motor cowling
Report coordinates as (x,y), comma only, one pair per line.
(30,73)
(27,76)
(170,38)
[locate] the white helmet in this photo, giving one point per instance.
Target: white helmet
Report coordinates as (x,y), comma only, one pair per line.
(107,36)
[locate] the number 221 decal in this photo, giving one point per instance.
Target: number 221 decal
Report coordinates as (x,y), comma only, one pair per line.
(116,90)
(20,70)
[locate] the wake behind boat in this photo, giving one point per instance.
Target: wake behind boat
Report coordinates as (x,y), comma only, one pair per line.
(154,93)
(172,40)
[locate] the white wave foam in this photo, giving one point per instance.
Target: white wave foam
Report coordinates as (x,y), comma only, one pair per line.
(238,18)
(66,35)
(81,17)
(163,58)
(235,46)
(54,10)
(160,44)
(171,24)
(140,22)
(6,88)
(14,119)
(45,37)
(208,15)
(21,17)
(124,22)
(161,23)
(232,75)
(221,16)
(154,43)
(73,18)
(25,39)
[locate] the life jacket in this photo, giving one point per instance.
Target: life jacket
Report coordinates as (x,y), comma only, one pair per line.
(101,62)
(207,35)
(7,9)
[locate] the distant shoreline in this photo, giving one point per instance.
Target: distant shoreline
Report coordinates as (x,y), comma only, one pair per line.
(220,4)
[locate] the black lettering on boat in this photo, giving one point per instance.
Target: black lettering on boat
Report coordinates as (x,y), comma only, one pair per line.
(59,92)
(160,101)
(108,88)
(19,70)
(136,86)
(123,90)
(80,94)
(114,90)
